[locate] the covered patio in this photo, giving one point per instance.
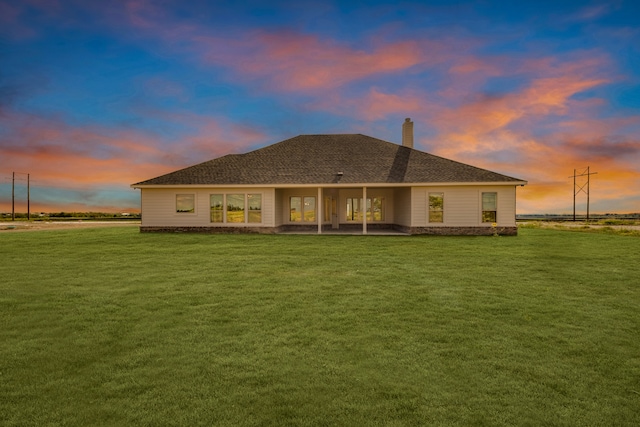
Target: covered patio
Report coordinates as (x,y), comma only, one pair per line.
(338,210)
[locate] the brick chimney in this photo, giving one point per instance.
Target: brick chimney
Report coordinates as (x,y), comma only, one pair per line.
(407,133)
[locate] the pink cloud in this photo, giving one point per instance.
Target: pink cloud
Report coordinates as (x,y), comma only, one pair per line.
(299,62)
(499,132)
(486,122)
(142,14)
(59,154)
(282,60)
(486,67)
(592,12)
(11,22)
(375,104)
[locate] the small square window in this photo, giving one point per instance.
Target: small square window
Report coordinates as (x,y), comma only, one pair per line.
(185,203)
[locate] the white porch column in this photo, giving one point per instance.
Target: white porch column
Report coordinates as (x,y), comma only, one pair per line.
(364,208)
(319,210)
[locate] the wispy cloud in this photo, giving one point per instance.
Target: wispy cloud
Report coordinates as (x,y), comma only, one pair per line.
(283,60)
(289,61)
(592,12)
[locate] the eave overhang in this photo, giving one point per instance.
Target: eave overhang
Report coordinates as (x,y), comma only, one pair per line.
(337,185)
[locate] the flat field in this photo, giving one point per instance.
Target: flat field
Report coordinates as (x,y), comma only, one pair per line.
(113,327)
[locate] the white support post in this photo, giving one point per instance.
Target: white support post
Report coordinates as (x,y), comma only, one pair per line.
(320,210)
(364,208)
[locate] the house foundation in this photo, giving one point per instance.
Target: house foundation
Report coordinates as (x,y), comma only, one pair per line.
(344,228)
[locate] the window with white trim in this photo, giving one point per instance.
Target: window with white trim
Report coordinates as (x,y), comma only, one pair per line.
(254,202)
(489,207)
(375,209)
(302,209)
(185,203)
(436,207)
(354,209)
(236,208)
(217,207)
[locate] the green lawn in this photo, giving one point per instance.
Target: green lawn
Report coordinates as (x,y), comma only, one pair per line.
(114,327)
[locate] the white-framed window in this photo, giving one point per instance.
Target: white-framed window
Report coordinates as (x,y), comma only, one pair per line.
(375,209)
(185,203)
(436,207)
(354,209)
(302,209)
(254,203)
(489,207)
(216,202)
(235,208)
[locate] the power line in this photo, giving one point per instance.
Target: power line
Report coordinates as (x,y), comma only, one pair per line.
(35,184)
(15,177)
(584,188)
(13,197)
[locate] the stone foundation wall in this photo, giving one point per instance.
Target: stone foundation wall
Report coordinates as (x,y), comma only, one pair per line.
(436,231)
(460,231)
(210,230)
(354,228)
(293,228)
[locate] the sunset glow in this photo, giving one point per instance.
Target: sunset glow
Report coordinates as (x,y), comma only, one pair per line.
(95,96)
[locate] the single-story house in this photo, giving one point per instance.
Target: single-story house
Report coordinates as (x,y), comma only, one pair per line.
(329,183)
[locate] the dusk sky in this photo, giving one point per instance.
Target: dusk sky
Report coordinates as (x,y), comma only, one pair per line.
(97,95)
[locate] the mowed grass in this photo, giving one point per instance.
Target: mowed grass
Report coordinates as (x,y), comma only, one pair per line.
(113,327)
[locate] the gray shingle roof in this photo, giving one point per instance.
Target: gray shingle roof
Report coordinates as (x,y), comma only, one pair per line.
(317,159)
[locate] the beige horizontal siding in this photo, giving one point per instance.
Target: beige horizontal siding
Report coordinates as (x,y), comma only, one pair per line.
(463,205)
(159,207)
(402,207)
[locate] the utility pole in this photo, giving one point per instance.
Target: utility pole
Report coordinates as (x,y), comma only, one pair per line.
(13,197)
(28,198)
(584,188)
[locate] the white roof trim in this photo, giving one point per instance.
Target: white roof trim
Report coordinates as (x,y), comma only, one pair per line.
(340,185)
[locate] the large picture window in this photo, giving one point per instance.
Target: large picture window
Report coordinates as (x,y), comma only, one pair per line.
(375,209)
(236,208)
(436,207)
(489,207)
(185,203)
(302,209)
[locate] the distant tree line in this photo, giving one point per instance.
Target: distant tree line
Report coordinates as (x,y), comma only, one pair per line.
(567,217)
(73,215)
